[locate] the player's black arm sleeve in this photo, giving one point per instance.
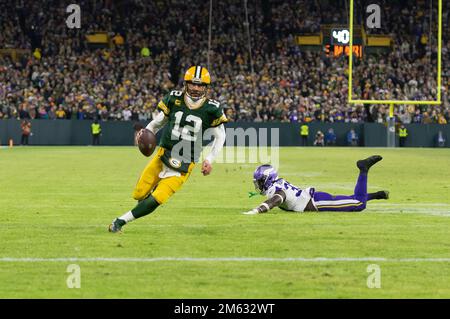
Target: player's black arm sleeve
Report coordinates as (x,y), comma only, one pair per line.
(276,200)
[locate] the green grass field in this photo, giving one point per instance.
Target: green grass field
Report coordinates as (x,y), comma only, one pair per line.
(56,202)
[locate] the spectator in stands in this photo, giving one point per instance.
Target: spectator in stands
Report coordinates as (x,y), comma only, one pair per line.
(330,137)
(352,138)
(60,113)
(286,82)
(441,119)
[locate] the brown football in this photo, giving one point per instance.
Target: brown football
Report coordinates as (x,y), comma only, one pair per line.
(146,142)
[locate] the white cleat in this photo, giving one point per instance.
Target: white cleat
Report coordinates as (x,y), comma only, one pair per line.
(251,212)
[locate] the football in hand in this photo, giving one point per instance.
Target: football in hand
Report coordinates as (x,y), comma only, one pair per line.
(146,141)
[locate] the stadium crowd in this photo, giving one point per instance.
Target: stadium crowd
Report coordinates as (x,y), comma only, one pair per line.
(63,77)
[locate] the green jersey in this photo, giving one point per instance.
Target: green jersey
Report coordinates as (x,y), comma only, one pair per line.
(186,126)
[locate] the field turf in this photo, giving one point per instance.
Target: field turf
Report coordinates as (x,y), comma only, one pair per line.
(56,204)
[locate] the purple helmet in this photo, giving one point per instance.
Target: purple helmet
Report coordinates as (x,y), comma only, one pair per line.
(263,177)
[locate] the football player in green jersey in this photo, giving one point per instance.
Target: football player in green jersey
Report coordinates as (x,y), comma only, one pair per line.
(187,114)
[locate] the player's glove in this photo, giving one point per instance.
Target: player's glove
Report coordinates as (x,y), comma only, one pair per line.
(254,211)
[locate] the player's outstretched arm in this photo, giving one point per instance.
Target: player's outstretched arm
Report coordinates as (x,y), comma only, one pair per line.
(219,139)
(276,200)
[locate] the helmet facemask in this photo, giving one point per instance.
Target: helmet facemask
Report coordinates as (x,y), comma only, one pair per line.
(259,185)
(195,91)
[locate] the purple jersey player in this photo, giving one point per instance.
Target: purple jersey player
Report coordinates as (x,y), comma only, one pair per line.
(288,197)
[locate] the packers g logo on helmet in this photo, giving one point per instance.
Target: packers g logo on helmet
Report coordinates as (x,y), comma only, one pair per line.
(200,76)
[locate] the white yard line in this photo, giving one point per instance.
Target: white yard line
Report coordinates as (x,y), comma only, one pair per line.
(435,209)
(223,259)
(415,204)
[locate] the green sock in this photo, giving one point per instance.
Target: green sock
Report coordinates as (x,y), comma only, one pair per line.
(145,207)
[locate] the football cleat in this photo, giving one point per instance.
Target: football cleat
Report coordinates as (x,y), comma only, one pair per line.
(116,225)
(367,163)
(384,194)
(251,212)
(378,195)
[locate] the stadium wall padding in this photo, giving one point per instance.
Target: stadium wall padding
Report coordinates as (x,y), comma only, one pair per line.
(78,132)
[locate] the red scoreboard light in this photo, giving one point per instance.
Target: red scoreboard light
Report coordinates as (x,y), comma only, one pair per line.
(338,50)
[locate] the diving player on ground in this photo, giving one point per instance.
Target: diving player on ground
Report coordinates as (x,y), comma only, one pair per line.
(291,198)
(188,114)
